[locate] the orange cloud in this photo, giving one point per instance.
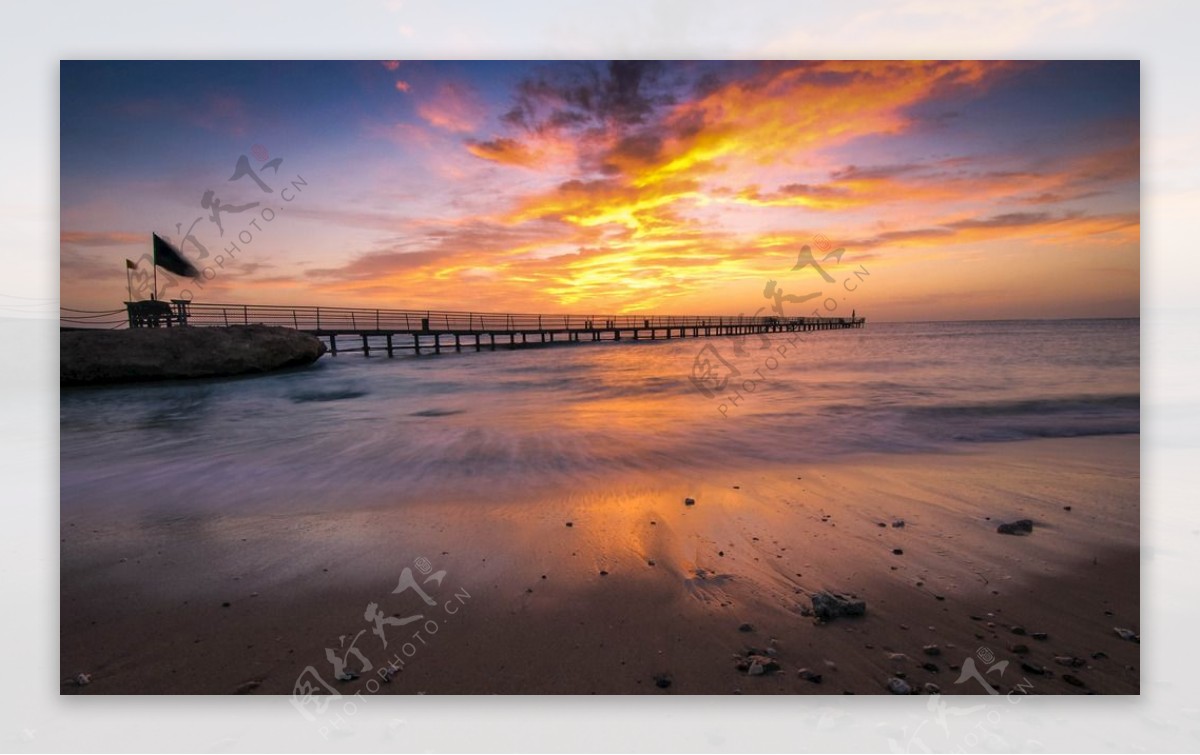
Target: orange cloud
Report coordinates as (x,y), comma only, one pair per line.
(103,238)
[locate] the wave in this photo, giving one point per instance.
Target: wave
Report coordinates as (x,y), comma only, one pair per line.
(1058,417)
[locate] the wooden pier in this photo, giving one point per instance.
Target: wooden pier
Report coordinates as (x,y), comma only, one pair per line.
(431,332)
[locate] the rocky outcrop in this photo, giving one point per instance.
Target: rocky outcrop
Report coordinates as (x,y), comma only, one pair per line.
(93,357)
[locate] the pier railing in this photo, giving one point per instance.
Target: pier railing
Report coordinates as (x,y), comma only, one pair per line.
(360,319)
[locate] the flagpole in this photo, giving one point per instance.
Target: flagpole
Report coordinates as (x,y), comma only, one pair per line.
(129,279)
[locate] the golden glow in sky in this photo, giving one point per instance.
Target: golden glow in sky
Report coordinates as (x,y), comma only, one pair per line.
(967,189)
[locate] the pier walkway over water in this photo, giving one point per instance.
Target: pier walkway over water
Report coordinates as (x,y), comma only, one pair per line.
(364,330)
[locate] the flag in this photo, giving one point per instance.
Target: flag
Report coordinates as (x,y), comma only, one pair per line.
(169,258)
(130,265)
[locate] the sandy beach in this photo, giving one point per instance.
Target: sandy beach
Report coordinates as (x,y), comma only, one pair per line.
(615,585)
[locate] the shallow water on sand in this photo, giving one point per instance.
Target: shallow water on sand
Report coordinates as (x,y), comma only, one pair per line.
(496,422)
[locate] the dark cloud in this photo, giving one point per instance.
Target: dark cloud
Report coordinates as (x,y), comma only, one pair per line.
(624,92)
(1006,220)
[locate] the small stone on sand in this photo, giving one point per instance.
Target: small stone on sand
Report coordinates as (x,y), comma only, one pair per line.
(1019,527)
(1128,635)
(898,686)
(1069,660)
(1033,669)
(827,606)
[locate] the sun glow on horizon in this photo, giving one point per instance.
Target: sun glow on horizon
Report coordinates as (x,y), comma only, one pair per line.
(618,187)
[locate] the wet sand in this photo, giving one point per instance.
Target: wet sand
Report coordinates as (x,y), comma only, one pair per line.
(640,590)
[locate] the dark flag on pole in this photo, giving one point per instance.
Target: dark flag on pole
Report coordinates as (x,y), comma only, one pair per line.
(169,258)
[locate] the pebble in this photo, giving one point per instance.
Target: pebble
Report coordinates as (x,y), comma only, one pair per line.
(1073,680)
(898,686)
(1128,634)
(932,688)
(1069,660)
(1099,655)
(603,573)
(570,524)
(898,523)
(756,664)
(689,501)
(746,628)
(1031,668)
(828,606)
(1019,527)
(931,667)
(82,680)
(226,604)
(809,676)
(1018,630)
(1018,648)
(898,551)
(662,681)
(1040,636)
(246,688)
(932,650)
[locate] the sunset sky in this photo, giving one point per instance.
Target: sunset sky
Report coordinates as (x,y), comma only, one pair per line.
(966,190)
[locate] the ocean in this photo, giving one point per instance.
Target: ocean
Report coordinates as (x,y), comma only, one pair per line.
(494,423)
